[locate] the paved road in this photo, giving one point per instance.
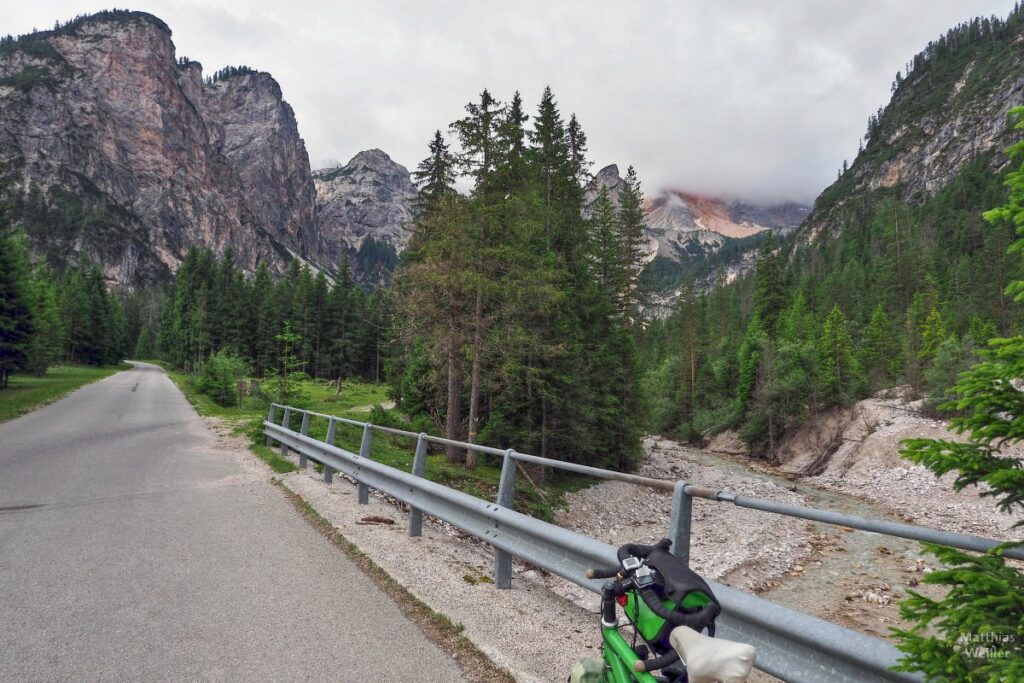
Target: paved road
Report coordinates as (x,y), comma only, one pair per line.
(147,554)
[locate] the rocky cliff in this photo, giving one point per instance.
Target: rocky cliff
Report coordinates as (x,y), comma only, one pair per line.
(365,213)
(114,150)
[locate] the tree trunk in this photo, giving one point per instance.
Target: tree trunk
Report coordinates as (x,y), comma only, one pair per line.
(474,391)
(453,418)
(544,427)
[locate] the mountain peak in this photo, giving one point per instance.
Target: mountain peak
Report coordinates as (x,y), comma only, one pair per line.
(364,210)
(608,173)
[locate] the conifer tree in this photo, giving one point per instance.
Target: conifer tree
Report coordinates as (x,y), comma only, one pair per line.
(769,283)
(510,171)
(984,592)
(631,238)
(608,248)
(879,353)
(435,175)
(478,137)
(47,343)
(837,366)
(16,322)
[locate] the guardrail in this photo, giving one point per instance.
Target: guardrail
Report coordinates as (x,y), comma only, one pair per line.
(791,645)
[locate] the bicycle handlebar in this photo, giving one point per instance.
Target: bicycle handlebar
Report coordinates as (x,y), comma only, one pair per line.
(602,573)
(697,620)
(637,550)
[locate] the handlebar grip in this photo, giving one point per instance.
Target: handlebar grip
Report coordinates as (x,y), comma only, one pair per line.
(667,659)
(602,573)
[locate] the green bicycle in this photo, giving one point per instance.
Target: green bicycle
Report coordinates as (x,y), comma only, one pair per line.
(667,606)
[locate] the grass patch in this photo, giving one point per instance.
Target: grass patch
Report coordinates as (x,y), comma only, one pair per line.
(25,393)
(441,630)
(272,456)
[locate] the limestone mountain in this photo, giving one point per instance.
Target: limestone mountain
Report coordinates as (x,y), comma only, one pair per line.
(365,213)
(113,149)
(684,229)
(948,111)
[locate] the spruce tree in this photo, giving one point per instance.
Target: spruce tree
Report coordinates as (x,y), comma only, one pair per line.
(879,356)
(983,601)
(837,367)
(435,175)
(17,326)
(631,238)
(769,283)
(608,248)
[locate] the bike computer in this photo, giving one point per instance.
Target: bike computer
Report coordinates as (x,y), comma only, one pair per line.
(631,564)
(643,577)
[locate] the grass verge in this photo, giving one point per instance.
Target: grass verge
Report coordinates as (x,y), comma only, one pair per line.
(356,401)
(439,629)
(25,393)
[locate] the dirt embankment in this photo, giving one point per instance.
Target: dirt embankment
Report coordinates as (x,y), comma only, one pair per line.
(856,451)
(848,460)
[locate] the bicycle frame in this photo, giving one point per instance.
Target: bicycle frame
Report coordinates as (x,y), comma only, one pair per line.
(620,657)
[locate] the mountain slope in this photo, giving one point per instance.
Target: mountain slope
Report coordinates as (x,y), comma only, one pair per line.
(946,112)
(112,149)
(894,279)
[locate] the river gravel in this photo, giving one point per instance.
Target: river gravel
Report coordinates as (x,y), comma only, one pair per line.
(745,548)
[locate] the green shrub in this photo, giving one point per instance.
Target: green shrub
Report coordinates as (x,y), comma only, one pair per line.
(220,376)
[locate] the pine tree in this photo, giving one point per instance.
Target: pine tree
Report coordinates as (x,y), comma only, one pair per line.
(837,367)
(16,321)
(631,237)
(435,175)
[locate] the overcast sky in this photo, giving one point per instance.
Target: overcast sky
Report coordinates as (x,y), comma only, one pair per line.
(746,98)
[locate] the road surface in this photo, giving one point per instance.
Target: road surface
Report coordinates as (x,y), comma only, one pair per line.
(133,549)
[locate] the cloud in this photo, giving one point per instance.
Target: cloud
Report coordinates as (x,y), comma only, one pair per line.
(742,98)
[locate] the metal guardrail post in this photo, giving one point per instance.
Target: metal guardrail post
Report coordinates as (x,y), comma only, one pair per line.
(419,468)
(286,423)
(270,418)
(679,523)
(329,439)
(506,497)
(304,430)
(364,452)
